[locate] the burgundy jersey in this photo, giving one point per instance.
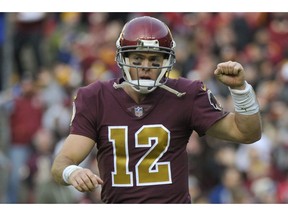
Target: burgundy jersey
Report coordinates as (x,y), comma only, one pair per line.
(142,147)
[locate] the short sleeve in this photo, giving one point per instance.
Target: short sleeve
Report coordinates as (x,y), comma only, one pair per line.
(83,120)
(206,109)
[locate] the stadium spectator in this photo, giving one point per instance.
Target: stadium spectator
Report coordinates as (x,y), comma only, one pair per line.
(26,113)
(28,33)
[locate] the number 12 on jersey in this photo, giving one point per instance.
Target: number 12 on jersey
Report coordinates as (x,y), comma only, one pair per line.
(148,170)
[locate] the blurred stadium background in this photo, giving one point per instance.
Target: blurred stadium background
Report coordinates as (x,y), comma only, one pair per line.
(45,57)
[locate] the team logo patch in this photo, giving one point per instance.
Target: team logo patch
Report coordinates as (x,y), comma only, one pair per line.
(213,101)
(138,111)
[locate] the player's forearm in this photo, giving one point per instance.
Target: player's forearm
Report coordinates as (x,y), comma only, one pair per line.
(249,126)
(59,164)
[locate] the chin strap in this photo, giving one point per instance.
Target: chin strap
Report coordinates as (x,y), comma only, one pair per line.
(167,88)
(121,85)
(177,93)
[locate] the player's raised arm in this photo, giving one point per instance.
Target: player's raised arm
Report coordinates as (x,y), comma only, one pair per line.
(244,125)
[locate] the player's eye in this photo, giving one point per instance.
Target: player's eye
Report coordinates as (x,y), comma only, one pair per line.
(155,61)
(136,60)
(155,65)
(136,63)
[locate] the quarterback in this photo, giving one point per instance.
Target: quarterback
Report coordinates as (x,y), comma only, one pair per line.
(141,122)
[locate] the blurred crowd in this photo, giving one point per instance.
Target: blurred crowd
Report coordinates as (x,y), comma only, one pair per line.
(53,54)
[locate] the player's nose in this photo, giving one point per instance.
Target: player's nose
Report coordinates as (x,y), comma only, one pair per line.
(145,64)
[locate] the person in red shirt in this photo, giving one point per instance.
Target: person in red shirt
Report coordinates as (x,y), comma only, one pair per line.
(25,121)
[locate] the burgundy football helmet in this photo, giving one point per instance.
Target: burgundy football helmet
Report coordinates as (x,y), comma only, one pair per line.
(145,34)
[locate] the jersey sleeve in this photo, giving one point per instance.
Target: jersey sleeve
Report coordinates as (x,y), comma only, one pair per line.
(83,120)
(206,109)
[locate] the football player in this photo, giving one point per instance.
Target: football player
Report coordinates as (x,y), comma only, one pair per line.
(141,122)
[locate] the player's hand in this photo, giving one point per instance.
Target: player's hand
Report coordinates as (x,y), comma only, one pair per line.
(231,74)
(84,180)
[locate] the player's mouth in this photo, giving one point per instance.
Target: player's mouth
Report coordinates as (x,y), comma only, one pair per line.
(145,77)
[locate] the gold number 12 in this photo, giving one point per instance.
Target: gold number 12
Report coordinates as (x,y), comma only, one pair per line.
(148,170)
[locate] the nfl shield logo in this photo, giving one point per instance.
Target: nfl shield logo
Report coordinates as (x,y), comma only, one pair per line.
(138,111)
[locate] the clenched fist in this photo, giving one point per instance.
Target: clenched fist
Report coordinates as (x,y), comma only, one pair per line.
(231,74)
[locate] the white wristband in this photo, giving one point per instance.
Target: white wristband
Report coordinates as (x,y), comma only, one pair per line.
(245,101)
(67,172)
